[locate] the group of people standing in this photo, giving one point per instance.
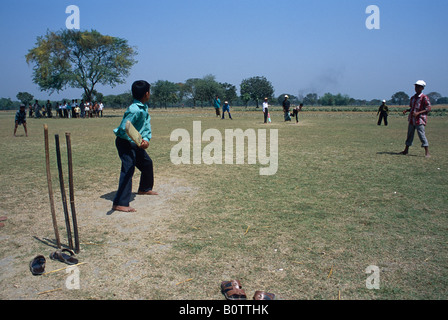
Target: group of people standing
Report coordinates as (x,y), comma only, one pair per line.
(225,108)
(66,109)
(286,110)
(267,118)
(419,108)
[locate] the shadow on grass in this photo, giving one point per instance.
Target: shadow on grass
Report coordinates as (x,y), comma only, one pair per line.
(396,154)
(50,242)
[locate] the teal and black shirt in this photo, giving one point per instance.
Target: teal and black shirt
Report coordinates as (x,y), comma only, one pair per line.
(20,116)
(137,114)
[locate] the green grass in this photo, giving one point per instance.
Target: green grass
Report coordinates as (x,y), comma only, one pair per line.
(341,200)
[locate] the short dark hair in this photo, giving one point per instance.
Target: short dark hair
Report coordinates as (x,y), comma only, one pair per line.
(139,89)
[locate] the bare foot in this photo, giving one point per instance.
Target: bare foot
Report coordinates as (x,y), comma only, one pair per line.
(403,152)
(148,193)
(123,209)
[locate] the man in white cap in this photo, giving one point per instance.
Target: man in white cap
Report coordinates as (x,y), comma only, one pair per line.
(383,111)
(286,106)
(420,106)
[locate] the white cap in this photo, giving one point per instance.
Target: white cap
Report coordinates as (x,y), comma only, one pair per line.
(421,83)
(384,101)
(286,96)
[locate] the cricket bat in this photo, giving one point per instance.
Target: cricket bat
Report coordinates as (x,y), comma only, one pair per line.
(133,133)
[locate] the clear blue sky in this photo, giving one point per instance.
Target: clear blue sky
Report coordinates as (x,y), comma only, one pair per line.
(300,46)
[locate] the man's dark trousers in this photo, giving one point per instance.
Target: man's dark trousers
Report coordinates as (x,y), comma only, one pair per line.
(382,116)
(132,156)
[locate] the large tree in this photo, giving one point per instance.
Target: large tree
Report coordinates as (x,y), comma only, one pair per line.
(189,89)
(25,97)
(80,59)
(164,92)
(400,98)
(257,88)
(229,92)
(207,89)
(434,97)
(310,99)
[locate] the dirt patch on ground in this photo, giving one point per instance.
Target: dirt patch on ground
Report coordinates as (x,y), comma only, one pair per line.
(121,252)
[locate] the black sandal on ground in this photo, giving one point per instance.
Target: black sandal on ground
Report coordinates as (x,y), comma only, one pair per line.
(61,256)
(37,265)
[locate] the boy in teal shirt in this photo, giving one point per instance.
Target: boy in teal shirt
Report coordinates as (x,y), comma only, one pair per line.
(217,105)
(130,154)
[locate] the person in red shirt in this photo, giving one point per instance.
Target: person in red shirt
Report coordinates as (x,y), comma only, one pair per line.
(420,106)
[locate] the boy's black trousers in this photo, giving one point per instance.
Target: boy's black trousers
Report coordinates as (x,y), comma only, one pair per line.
(131,157)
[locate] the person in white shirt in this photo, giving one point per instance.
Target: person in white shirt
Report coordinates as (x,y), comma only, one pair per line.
(265,109)
(100,109)
(87,110)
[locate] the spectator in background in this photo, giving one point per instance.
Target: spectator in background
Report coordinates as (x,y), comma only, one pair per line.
(95,109)
(88,109)
(36,108)
(77,111)
(30,110)
(100,108)
(56,109)
(48,106)
(64,109)
(44,111)
(74,104)
(82,106)
(69,109)
(61,110)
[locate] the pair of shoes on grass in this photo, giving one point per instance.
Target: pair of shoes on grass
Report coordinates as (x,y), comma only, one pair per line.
(37,265)
(232,290)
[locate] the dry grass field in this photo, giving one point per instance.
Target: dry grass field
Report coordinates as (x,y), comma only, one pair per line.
(341,200)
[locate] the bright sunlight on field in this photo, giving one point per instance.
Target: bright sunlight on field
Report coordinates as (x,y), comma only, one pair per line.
(342,200)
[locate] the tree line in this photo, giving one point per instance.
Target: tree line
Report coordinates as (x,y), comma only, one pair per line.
(84,59)
(200,92)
